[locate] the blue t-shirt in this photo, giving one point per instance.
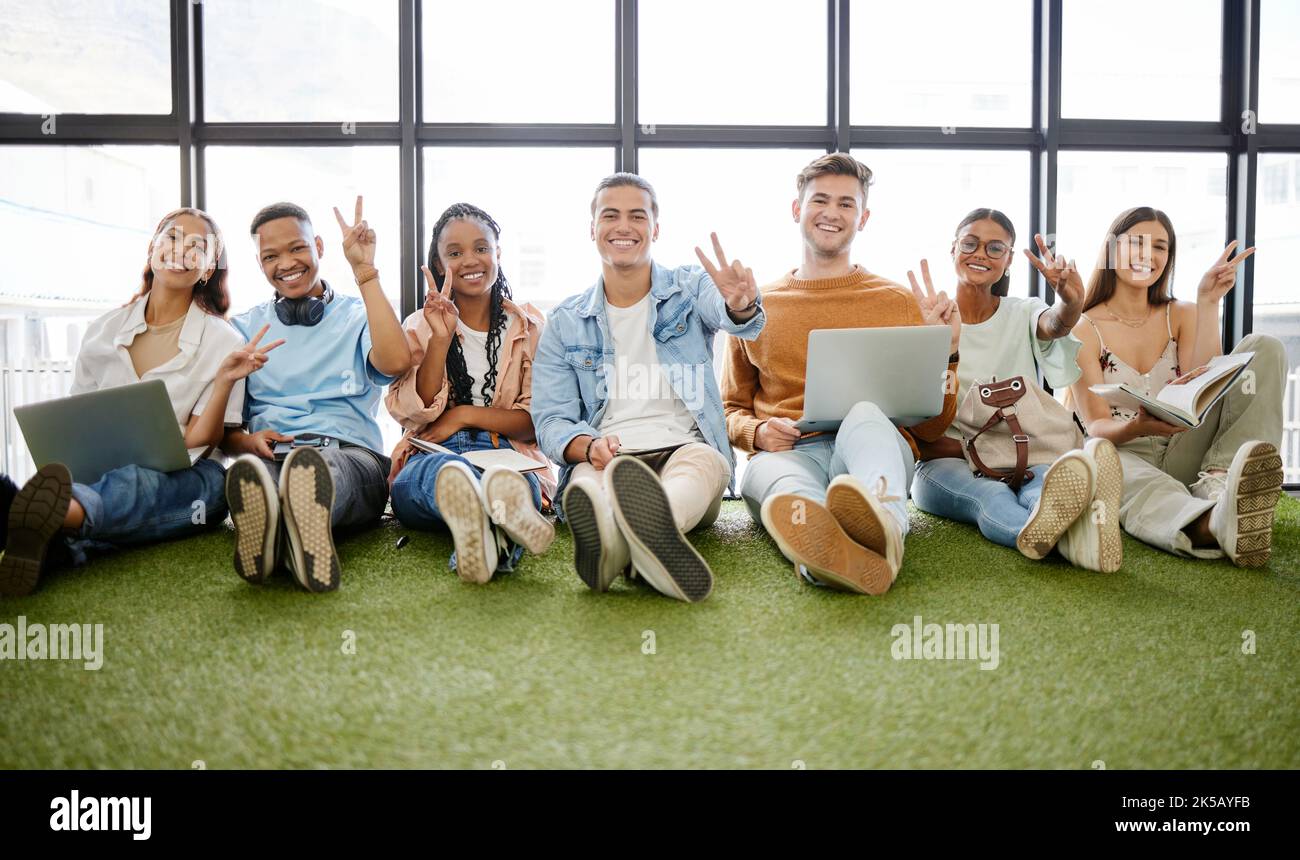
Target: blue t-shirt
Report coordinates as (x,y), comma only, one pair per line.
(320,380)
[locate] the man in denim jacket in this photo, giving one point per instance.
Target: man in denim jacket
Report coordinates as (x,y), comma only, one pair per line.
(626,367)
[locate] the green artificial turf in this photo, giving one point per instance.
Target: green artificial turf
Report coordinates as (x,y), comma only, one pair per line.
(1139,669)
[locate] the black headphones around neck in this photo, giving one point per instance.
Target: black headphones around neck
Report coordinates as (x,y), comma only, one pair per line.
(305,310)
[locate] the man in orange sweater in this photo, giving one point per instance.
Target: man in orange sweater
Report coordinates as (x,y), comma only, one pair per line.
(836,504)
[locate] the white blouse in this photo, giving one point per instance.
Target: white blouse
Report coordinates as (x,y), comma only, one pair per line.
(205,340)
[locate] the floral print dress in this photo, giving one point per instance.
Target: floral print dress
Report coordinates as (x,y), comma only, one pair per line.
(1115,370)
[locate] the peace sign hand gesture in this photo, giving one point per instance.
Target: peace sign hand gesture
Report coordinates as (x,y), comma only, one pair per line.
(358,239)
(1063,277)
(247,359)
(734,281)
(1222,276)
(440,311)
(936,309)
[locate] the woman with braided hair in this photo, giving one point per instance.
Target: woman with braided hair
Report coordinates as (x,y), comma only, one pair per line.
(470,389)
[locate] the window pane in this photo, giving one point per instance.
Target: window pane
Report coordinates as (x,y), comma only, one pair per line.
(97,204)
(1276,300)
(300,61)
(515,76)
(1279,61)
(1153,60)
(743,195)
(918,197)
(1094,187)
(66,56)
(541,198)
(728,62)
(961,81)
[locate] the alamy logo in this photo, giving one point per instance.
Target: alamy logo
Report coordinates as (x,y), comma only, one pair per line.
(919,641)
(53,642)
(132,814)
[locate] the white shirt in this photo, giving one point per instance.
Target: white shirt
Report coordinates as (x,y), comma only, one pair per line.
(643,411)
(473,345)
(1007,344)
(205,340)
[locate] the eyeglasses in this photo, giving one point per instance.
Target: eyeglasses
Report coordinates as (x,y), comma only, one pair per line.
(969,244)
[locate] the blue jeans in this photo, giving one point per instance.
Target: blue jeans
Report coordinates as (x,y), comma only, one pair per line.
(948,488)
(412,494)
(133,505)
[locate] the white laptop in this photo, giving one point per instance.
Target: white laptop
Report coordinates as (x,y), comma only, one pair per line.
(900,369)
(99,431)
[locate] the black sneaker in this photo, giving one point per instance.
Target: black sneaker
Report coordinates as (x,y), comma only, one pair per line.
(660,552)
(8,489)
(306,500)
(255,510)
(35,517)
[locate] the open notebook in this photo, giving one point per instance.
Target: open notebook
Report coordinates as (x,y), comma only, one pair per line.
(1182,405)
(506,457)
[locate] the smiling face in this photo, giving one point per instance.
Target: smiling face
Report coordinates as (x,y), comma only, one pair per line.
(624,226)
(1141,255)
(831,214)
(467,248)
(183,253)
(981,253)
(289,255)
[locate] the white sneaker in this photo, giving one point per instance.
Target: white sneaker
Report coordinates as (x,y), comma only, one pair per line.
(307,500)
(1094,541)
(600,553)
(508,499)
(255,510)
(460,503)
(1068,488)
(1242,517)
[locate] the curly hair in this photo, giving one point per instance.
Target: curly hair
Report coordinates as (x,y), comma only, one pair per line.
(458,377)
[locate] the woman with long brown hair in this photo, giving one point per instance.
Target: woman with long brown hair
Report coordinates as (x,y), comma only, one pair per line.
(174,330)
(1209,491)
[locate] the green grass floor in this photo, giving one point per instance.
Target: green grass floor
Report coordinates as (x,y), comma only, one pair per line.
(1139,669)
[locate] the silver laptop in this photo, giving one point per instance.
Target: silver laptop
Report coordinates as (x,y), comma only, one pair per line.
(99,431)
(900,369)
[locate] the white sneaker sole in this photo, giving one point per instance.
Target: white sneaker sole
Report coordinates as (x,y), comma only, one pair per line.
(509,499)
(1067,491)
(461,507)
(1258,487)
(255,511)
(307,499)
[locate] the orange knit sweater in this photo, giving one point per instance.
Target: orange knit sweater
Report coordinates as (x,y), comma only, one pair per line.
(764,378)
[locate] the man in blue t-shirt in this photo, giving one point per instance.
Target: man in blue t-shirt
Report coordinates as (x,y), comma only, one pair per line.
(311,420)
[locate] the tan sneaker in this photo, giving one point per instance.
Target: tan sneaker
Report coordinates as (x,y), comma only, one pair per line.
(1247,495)
(808,534)
(1068,488)
(1094,541)
(864,518)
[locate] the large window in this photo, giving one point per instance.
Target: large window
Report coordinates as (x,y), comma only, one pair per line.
(85,56)
(1152,59)
(960,64)
(521,107)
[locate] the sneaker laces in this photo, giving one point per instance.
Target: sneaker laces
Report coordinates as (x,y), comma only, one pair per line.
(881,491)
(1210,484)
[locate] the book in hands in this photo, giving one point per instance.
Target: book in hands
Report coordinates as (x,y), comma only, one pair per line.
(1184,404)
(506,457)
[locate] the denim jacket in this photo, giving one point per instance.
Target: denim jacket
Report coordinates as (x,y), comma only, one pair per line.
(576,355)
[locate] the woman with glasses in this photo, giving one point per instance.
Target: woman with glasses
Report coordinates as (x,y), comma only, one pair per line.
(1004,336)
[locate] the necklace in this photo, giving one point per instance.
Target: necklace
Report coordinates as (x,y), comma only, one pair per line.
(1129,322)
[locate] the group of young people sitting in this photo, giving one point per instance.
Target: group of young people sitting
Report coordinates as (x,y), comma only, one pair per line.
(617,387)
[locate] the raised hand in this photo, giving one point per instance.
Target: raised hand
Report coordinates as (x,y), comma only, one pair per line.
(358,238)
(936,309)
(734,281)
(1222,276)
(440,311)
(1062,276)
(249,358)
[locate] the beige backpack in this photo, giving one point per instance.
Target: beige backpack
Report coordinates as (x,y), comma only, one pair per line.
(1014,431)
